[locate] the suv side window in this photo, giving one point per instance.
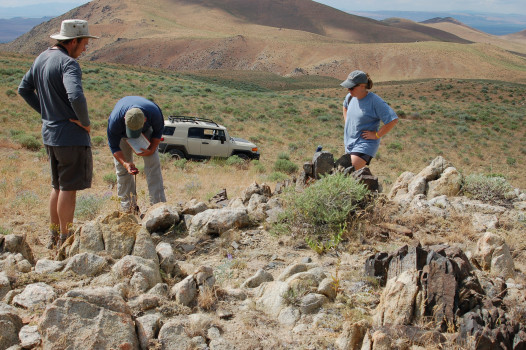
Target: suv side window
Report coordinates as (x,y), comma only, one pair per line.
(195,133)
(169,130)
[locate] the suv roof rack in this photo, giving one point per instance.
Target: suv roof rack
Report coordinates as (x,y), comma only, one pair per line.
(178,118)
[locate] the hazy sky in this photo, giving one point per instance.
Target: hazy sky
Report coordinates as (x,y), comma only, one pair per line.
(489,6)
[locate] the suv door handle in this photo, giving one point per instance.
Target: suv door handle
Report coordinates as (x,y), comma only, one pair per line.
(205,143)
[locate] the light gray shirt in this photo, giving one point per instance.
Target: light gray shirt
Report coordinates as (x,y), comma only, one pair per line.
(53,88)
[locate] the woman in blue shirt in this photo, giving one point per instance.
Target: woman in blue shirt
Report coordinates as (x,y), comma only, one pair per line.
(362,112)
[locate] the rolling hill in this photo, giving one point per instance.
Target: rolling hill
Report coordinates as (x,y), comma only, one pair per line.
(295,37)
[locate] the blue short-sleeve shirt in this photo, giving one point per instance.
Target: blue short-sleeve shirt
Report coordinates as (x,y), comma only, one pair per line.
(362,115)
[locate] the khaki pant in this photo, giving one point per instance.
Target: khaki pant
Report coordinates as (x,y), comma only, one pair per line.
(126,187)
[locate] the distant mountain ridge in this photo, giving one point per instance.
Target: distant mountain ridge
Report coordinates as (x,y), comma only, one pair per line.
(293,37)
(14,27)
(495,24)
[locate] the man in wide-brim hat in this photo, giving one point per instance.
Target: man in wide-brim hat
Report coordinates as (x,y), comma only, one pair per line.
(53,88)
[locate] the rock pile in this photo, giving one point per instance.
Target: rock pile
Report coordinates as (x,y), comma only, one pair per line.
(121,283)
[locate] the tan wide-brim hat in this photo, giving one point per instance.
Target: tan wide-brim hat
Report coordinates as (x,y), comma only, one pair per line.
(73,28)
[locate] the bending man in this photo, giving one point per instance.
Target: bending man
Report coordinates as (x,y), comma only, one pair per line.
(132,117)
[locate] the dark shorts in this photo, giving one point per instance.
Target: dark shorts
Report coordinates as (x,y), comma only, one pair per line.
(71,167)
(364,156)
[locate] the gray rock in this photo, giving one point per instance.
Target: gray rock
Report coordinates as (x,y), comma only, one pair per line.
(254,188)
(147,329)
(167,259)
(204,277)
(35,295)
(49,266)
(172,336)
(11,324)
(144,302)
(256,280)
(185,291)
(269,297)
(217,221)
(160,217)
(17,244)
(29,337)
(88,319)
(322,164)
(289,316)
(352,335)
(312,302)
(398,300)
(448,184)
(292,270)
(144,246)
(327,288)
(193,207)
(5,285)
(130,265)
(493,254)
(90,239)
(161,290)
(87,264)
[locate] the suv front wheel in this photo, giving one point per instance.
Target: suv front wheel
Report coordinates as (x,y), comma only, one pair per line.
(177,154)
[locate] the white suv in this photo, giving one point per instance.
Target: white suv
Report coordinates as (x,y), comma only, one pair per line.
(191,137)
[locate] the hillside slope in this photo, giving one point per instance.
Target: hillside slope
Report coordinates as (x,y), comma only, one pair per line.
(512,42)
(288,38)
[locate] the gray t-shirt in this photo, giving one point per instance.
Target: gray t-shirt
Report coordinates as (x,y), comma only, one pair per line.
(53,87)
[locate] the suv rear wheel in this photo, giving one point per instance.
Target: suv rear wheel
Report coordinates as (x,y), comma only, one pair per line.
(177,154)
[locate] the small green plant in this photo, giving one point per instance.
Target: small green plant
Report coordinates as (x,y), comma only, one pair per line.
(277,176)
(258,166)
(30,142)
(110,179)
(486,187)
(98,140)
(4,231)
(88,206)
(321,247)
(235,161)
(285,166)
(180,163)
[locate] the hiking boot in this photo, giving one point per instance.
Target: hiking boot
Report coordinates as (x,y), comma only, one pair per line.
(53,237)
(64,237)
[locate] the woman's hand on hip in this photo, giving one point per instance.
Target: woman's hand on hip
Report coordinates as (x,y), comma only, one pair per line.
(369,135)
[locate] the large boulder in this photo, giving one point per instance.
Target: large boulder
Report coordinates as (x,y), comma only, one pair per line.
(145,273)
(88,319)
(10,325)
(160,217)
(17,244)
(217,221)
(493,254)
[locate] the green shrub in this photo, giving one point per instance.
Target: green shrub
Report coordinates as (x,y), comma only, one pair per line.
(486,187)
(285,166)
(180,163)
(30,142)
(395,146)
(4,231)
(110,179)
(235,161)
(324,207)
(258,166)
(98,140)
(277,176)
(88,206)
